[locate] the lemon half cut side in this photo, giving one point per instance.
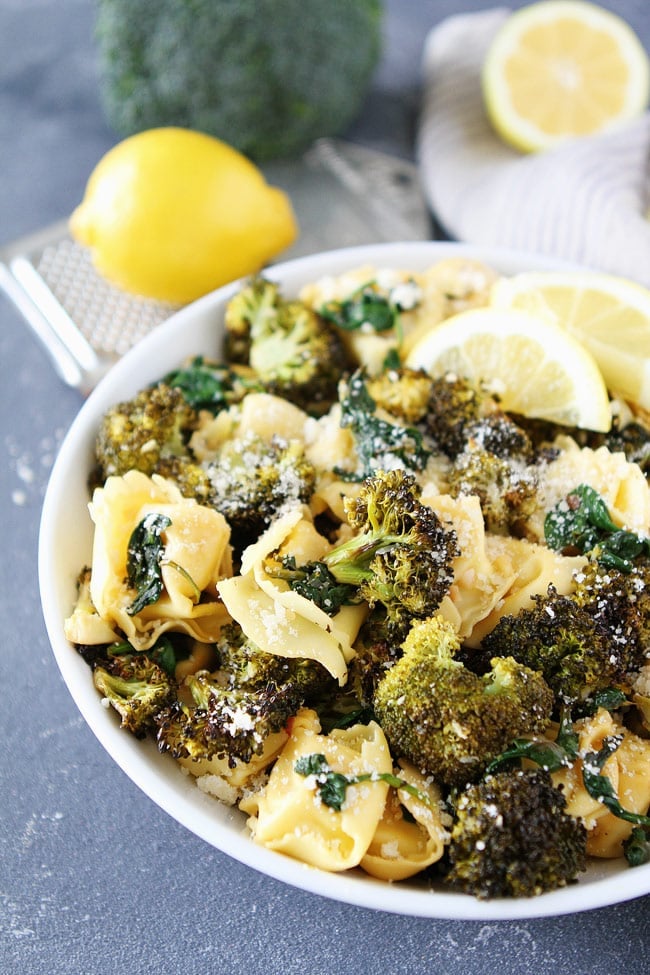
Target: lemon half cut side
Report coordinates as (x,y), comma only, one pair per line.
(536,367)
(557,69)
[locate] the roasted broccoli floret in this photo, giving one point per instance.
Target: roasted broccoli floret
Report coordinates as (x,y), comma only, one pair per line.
(252,479)
(511,837)
(231,723)
(400,556)
(137,688)
(405,393)
(242,664)
(291,349)
(576,641)
(448,720)
(454,403)
(212,386)
(150,433)
(505,487)
(379,442)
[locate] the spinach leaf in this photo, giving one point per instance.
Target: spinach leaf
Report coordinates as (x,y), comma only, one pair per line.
(582,523)
(144,556)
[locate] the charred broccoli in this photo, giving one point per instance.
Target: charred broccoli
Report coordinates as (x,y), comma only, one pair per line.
(399,557)
(251,480)
(454,404)
(511,837)
(293,352)
(150,433)
(448,720)
(583,643)
(405,393)
(242,664)
(138,689)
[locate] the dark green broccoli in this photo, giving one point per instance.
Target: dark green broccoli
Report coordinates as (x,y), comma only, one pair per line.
(506,487)
(150,433)
(511,837)
(633,440)
(242,664)
(583,643)
(138,689)
(252,480)
(454,404)
(267,76)
(293,352)
(379,443)
(448,720)
(400,556)
(212,386)
(231,723)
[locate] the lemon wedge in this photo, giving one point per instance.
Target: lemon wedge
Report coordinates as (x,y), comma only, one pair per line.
(609,315)
(563,68)
(536,367)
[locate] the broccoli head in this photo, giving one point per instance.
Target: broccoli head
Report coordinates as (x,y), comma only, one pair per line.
(138,689)
(399,557)
(231,723)
(505,487)
(511,837)
(567,639)
(448,720)
(403,392)
(242,664)
(454,403)
(268,78)
(252,479)
(293,352)
(141,433)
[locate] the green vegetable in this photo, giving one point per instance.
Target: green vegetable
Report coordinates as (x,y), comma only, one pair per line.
(266,76)
(379,443)
(363,307)
(447,720)
(332,786)
(512,837)
(581,522)
(144,557)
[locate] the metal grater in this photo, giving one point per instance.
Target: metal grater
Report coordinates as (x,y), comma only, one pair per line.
(343,194)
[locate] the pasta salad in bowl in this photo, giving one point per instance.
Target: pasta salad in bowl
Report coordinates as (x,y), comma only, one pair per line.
(345,566)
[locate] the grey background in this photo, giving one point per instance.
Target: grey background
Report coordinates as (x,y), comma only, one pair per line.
(94,878)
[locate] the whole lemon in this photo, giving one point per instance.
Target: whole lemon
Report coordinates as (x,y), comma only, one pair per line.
(172,213)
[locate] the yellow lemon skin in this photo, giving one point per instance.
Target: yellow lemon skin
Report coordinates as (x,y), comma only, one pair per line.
(172,213)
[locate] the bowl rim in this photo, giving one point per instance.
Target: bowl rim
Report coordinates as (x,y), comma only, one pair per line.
(160,777)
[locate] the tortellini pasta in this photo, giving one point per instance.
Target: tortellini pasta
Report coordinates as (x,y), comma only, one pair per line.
(287,815)
(281,621)
(196,556)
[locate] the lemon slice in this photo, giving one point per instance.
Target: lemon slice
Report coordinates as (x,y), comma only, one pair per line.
(536,367)
(563,68)
(610,316)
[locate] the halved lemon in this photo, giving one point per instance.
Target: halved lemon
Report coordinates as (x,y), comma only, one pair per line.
(536,367)
(609,315)
(563,68)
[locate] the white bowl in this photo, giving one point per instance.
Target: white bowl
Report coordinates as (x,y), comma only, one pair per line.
(65,546)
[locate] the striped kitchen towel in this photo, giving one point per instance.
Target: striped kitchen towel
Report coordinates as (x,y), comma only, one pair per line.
(584,201)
